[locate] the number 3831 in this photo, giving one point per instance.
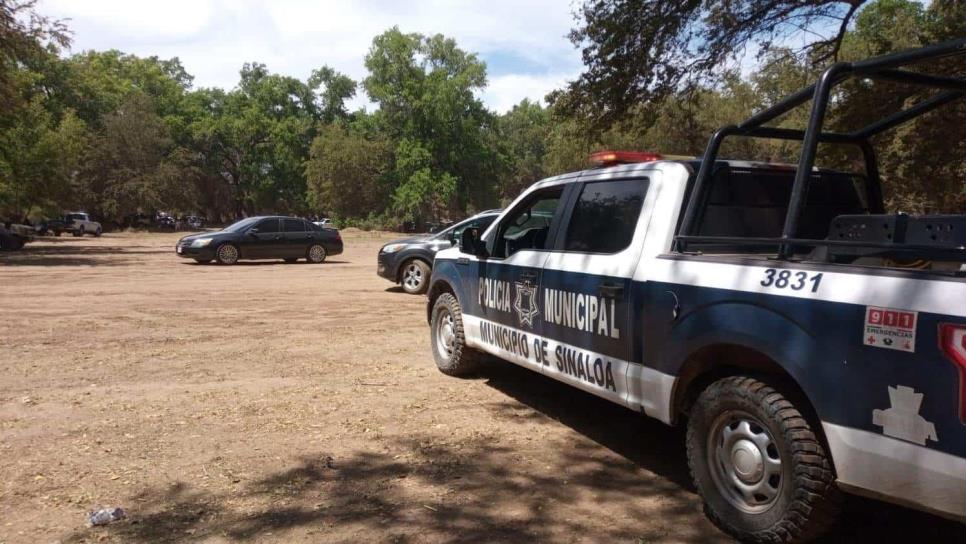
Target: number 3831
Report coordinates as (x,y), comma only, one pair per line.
(791,279)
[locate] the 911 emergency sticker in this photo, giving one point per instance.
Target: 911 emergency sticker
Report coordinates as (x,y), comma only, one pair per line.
(890,328)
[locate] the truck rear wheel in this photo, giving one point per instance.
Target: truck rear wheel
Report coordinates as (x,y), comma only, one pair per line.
(763,474)
(453,357)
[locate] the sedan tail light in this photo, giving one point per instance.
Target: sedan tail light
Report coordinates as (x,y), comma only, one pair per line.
(952,340)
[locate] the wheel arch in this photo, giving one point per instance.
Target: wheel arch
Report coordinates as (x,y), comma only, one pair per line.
(436,289)
(717,361)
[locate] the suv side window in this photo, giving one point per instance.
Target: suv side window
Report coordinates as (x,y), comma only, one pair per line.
(527,226)
(267,225)
(480,223)
(605,216)
(294,225)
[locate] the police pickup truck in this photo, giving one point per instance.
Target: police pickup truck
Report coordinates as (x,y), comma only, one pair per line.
(810,342)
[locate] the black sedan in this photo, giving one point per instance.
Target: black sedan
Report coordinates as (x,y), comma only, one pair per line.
(409,261)
(287,238)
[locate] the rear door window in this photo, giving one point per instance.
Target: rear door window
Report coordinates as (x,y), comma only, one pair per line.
(294,225)
(605,216)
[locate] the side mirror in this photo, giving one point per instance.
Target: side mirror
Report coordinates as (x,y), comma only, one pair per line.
(470,243)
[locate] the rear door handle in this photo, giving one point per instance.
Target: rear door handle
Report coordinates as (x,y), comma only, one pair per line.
(610,290)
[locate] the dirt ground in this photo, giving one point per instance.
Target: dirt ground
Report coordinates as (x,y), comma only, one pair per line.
(300,403)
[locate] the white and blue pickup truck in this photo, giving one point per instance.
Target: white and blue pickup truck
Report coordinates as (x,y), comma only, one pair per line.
(810,342)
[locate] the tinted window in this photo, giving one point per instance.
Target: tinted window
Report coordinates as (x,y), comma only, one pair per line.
(605,216)
(294,225)
(240,225)
(480,223)
(753,203)
(528,225)
(267,225)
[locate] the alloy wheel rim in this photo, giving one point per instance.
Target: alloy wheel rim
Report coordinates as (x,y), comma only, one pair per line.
(445,335)
(745,462)
(413,277)
(317,253)
(228,253)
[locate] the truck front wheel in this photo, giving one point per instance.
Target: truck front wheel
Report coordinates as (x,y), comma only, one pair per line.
(763,474)
(453,357)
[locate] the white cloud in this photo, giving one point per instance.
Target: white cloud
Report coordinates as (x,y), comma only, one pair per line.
(505,91)
(523,42)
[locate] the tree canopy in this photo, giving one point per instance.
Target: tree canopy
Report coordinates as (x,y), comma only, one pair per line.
(118,134)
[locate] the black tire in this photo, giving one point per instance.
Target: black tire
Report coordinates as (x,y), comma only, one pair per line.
(78,232)
(316,254)
(290,260)
(98,232)
(414,276)
(750,416)
(227,254)
(57,233)
(453,357)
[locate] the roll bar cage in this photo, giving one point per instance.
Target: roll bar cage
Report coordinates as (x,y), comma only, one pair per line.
(885,67)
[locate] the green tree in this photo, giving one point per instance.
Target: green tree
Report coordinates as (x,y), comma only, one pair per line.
(425,87)
(522,134)
(638,51)
(132,164)
(347,171)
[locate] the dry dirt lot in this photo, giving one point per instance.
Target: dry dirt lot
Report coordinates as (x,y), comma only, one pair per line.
(300,403)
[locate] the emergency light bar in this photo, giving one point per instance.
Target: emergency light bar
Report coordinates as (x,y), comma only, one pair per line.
(611,158)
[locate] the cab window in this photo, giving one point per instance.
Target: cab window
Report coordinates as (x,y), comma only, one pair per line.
(605,216)
(267,225)
(527,226)
(294,225)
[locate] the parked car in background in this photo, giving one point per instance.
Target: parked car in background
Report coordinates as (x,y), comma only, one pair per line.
(52,227)
(325,223)
(273,237)
(409,262)
(194,222)
(80,223)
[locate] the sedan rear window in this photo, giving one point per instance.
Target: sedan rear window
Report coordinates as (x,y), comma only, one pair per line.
(294,225)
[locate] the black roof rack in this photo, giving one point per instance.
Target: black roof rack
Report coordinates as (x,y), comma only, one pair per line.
(886,67)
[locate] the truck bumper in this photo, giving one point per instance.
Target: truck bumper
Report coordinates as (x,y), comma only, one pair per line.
(892,470)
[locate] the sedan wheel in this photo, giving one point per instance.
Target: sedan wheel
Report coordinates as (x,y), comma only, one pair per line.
(227,254)
(316,254)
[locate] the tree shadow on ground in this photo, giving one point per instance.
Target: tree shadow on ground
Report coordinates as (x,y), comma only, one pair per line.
(431,488)
(71,255)
(660,449)
(437,492)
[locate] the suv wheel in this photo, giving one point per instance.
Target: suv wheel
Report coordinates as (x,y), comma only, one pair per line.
(98,232)
(78,232)
(227,254)
(763,474)
(452,355)
(415,277)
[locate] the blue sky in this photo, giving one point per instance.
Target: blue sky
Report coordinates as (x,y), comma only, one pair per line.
(523,42)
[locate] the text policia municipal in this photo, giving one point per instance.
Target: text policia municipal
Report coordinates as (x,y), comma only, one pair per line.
(579,311)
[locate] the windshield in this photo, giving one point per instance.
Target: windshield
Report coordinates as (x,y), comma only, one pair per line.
(241,225)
